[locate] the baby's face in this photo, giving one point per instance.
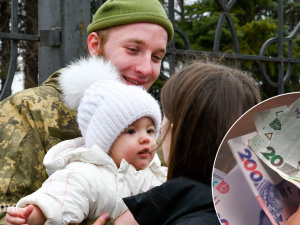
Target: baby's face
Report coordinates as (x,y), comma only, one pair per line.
(136,144)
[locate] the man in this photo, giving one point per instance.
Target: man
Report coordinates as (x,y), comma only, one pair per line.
(133,34)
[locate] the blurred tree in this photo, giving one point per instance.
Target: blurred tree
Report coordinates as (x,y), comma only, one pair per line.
(255,22)
(29,25)
(4,44)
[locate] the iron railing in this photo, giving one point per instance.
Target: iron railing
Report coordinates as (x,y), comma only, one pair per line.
(62,37)
(225,7)
(54,38)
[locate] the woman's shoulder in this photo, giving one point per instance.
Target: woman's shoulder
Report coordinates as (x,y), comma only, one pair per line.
(179,200)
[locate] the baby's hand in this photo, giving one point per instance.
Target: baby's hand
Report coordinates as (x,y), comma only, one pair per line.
(18,215)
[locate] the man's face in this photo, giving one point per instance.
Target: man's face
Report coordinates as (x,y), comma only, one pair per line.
(137,51)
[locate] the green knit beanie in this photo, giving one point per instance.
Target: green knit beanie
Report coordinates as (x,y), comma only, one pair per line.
(118,12)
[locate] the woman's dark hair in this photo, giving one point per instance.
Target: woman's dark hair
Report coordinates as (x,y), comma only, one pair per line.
(202,101)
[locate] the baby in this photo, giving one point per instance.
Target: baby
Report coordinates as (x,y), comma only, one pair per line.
(115,157)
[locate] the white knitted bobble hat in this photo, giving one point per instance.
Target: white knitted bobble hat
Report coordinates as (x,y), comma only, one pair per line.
(106,106)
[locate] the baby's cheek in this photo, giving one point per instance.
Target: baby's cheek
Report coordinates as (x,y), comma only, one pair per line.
(130,152)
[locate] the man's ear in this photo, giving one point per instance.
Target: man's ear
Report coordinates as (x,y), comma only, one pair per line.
(93,42)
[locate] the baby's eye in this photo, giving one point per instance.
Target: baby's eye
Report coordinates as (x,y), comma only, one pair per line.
(151,131)
(130,131)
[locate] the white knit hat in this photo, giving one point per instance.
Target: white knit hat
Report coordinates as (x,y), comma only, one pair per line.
(106,105)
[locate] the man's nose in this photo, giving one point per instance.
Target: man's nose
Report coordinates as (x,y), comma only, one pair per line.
(144,66)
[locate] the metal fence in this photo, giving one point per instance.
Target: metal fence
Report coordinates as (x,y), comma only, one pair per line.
(62,37)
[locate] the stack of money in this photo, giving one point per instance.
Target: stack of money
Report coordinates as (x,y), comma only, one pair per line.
(263,188)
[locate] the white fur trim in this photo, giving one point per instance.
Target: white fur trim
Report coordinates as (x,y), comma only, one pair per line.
(80,74)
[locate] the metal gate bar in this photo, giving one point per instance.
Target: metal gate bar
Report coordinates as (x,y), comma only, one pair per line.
(53,40)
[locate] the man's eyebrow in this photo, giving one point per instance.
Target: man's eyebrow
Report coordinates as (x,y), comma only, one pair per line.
(137,41)
(141,42)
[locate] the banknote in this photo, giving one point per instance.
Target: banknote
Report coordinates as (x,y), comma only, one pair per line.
(277,197)
(218,176)
(263,119)
(278,143)
(233,198)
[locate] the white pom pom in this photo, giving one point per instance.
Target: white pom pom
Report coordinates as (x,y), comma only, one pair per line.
(79,75)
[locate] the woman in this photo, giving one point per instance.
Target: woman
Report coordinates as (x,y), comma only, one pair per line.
(200,103)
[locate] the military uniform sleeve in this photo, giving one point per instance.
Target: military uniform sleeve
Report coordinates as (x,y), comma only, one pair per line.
(31,122)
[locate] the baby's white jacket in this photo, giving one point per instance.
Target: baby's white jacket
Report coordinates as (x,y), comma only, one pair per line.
(83,183)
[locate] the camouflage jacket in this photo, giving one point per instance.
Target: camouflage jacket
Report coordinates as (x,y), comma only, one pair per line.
(31,122)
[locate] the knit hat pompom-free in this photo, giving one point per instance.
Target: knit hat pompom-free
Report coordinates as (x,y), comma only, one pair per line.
(106,105)
(120,12)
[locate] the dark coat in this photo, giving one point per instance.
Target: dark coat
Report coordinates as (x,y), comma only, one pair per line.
(178,201)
